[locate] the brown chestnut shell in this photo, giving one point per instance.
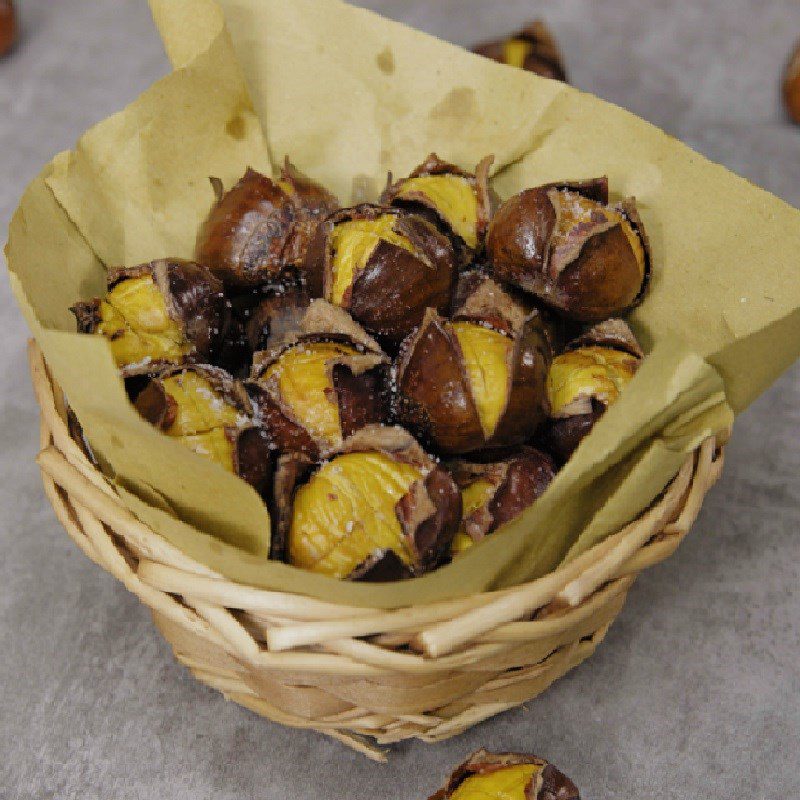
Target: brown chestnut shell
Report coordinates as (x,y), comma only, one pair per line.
(390,294)
(538,48)
(421,203)
(261,227)
(192,296)
(548,783)
(591,273)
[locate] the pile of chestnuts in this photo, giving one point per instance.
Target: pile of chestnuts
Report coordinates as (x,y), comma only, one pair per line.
(397,380)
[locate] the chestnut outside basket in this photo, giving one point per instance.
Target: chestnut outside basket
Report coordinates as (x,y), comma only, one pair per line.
(428,672)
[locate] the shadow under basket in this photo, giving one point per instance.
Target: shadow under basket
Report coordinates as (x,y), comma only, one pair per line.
(359,675)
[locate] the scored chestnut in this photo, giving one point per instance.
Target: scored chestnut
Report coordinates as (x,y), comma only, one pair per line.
(210,412)
(477,381)
(321,384)
(379,509)
(533,48)
(385,266)
(457,200)
(261,227)
(585,380)
(507,776)
(495,493)
(566,245)
(166,312)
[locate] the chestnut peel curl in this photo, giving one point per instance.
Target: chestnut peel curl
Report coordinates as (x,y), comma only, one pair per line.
(585,380)
(507,776)
(495,493)
(533,49)
(166,312)
(476,382)
(459,202)
(261,227)
(378,509)
(209,412)
(567,246)
(384,266)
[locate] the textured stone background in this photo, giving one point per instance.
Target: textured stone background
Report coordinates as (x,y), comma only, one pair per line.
(695,692)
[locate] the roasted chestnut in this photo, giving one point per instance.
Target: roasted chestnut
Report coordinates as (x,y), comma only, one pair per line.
(321,384)
(585,380)
(166,312)
(261,227)
(211,413)
(495,493)
(458,201)
(383,265)
(566,245)
(533,48)
(507,776)
(276,316)
(476,381)
(378,509)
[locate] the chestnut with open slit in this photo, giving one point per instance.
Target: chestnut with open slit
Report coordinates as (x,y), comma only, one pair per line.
(565,244)
(170,311)
(378,509)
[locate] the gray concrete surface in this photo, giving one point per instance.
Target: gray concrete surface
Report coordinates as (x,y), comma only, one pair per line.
(695,692)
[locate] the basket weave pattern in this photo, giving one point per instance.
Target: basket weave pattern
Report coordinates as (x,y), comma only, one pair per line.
(428,672)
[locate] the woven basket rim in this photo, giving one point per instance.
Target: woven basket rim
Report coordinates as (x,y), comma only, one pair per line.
(270,633)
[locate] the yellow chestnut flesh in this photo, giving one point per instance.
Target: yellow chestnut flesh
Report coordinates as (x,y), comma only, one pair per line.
(453,197)
(507,783)
(201,416)
(486,358)
(575,210)
(347,511)
(134,318)
(473,497)
(353,242)
(305,385)
(589,372)
(515,51)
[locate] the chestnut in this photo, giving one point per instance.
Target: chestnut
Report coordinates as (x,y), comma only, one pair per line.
(276,316)
(260,227)
(477,381)
(207,410)
(567,246)
(585,380)
(496,492)
(457,200)
(507,776)
(385,266)
(378,509)
(321,384)
(166,312)
(533,48)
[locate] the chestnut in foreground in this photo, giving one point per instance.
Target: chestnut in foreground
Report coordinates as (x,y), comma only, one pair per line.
(384,266)
(507,776)
(567,246)
(585,380)
(321,384)
(533,49)
(261,227)
(495,493)
(458,201)
(208,411)
(791,85)
(477,381)
(379,509)
(166,312)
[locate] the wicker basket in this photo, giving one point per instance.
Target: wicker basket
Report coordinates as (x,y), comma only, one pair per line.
(428,672)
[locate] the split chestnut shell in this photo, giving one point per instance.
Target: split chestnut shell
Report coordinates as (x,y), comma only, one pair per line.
(566,245)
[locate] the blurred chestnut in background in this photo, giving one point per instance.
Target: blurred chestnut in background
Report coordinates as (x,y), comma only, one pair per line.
(533,48)
(8,26)
(791,85)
